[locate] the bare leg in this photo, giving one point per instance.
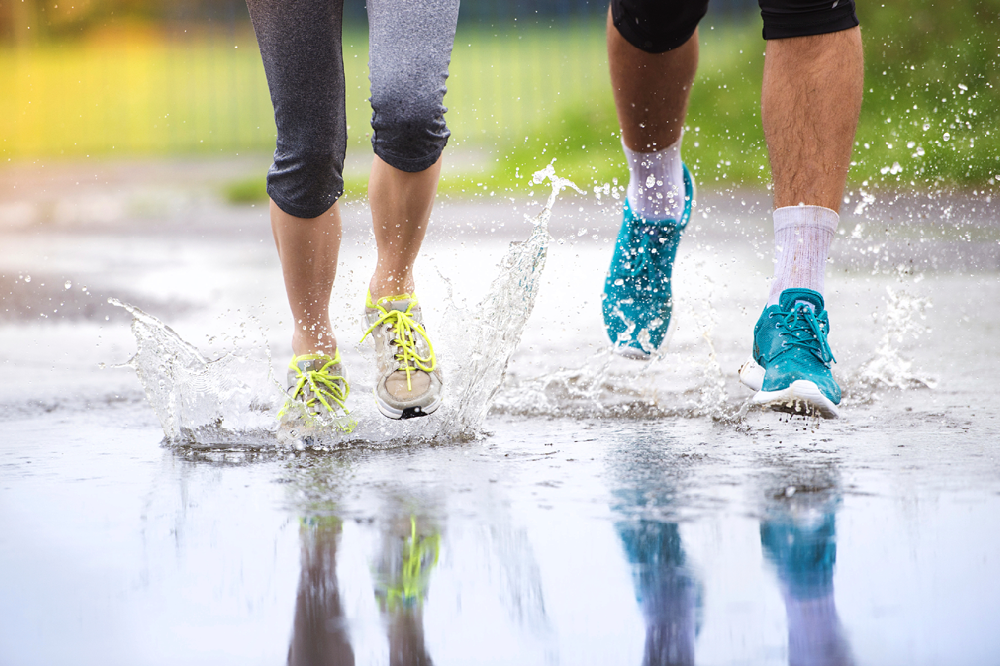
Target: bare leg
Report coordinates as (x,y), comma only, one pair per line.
(810,102)
(651,90)
(401,208)
(308,251)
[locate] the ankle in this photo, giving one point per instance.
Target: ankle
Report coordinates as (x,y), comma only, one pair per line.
(388,286)
(308,342)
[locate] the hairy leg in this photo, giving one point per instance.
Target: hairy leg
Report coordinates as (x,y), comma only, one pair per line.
(810,102)
(651,90)
(308,250)
(401,205)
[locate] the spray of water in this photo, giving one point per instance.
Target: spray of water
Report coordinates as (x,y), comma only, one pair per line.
(486,336)
(888,367)
(198,401)
(233,401)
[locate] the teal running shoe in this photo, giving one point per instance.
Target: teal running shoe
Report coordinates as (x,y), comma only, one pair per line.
(790,367)
(637,299)
(803,554)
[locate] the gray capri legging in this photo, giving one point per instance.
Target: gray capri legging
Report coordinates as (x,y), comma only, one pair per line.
(300,41)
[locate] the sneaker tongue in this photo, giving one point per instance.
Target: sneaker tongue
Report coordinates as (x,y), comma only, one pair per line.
(791,297)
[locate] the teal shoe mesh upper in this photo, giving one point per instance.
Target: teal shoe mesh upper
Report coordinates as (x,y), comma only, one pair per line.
(789,342)
(637,298)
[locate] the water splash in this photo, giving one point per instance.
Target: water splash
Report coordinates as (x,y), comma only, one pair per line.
(233,401)
(689,384)
(713,399)
(199,401)
(486,336)
(887,367)
(585,390)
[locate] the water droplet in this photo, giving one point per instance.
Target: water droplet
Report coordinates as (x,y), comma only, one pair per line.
(27,278)
(68,285)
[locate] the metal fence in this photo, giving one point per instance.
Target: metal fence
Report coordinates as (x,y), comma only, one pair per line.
(188,79)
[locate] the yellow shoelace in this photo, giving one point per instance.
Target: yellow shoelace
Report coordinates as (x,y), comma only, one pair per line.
(325,388)
(406,329)
(420,555)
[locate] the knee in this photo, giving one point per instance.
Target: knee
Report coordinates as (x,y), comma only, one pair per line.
(657,26)
(804,18)
(409,130)
(306,182)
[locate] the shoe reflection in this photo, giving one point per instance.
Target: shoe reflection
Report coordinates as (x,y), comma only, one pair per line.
(803,550)
(667,593)
(409,552)
(798,537)
(402,578)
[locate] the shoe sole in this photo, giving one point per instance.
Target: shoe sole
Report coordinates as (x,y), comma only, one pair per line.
(414,412)
(801,397)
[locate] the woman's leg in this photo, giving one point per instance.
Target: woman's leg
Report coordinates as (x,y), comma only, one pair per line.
(300,44)
(410,42)
(401,208)
(410,49)
(308,251)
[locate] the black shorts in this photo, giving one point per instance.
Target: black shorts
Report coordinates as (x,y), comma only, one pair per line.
(656,26)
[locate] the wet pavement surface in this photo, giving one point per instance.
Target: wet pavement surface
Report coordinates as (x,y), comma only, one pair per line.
(607,512)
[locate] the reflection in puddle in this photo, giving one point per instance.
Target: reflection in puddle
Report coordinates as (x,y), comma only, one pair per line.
(666,591)
(414,538)
(804,555)
(321,630)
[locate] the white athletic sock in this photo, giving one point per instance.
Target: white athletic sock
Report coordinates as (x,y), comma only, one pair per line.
(656,183)
(802,238)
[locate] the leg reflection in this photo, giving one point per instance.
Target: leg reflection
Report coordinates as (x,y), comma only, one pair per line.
(409,554)
(320,631)
(804,553)
(665,590)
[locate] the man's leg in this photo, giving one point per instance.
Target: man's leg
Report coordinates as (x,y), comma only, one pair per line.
(810,102)
(651,90)
(651,97)
(653,55)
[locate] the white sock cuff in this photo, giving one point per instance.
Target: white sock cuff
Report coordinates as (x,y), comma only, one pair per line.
(638,156)
(656,183)
(805,217)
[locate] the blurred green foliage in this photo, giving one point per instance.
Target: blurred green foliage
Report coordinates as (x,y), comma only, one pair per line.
(111,78)
(930,117)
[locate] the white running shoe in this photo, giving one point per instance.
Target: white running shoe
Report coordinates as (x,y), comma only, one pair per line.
(409,381)
(317,393)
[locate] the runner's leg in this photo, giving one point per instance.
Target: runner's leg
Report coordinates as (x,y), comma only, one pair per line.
(653,54)
(300,44)
(651,92)
(810,102)
(410,44)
